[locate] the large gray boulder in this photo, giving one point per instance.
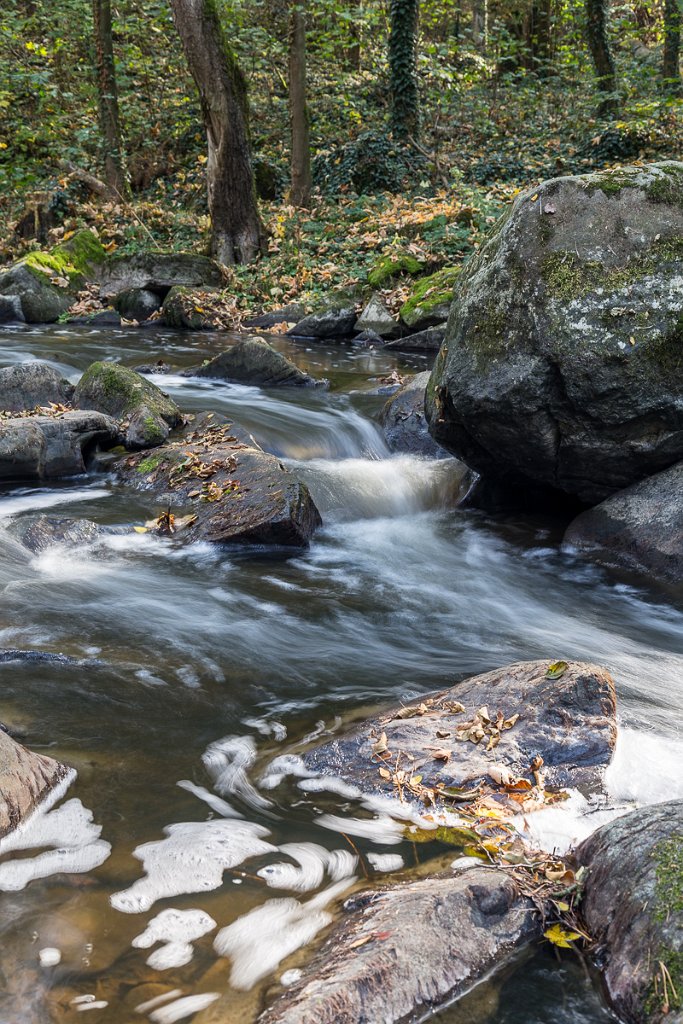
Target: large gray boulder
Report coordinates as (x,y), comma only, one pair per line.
(633,906)
(158,272)
(567,720)
(335,322)
(253,361)
(639,528)
(403,951)
(231,490)
(376,317)
(562,362)
(48,447)
(146,413)
(403,420)
(25,780)
(27,385)
(39,301)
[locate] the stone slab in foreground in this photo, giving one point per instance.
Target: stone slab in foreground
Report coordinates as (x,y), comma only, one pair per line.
(568,721)
(25,779)
(410,948)
(633,906)
(236,492)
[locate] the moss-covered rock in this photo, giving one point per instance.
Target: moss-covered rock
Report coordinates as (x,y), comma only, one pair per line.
(45,283)
(633,905)
(393,265)
(430,300)
(147,414)
(561,365)
(183,308)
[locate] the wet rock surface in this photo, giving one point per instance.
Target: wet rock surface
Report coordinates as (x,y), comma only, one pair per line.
(39,533)
(27,385)
(254,361)
(429,340)
(639,528)
(403,420)
(633,906)
(290,314)
(137,303)
(568,721)
(337,322)
(376,317)
(561,363)
(405,950)
(25,779)
(147,414)
(39,301)
(232,491)
(47,447)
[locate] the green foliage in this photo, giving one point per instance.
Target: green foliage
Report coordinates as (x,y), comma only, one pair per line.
(372,162)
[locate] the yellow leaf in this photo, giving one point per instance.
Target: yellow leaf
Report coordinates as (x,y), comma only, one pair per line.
(141,529)
(556,669)
(559,936)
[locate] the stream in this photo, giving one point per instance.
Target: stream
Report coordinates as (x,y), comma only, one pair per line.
(196,666)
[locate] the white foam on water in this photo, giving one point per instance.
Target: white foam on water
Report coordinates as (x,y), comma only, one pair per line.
(96,1004)
(177,930)
(258,942)
(49,956)
(64,562)
(291,977)
(192,858)
(35,500)
(182,1008)
(69,828)
(330,784)
(309,870)
(227,761)
(385,861)
(149,1004)
(383,830)
(645,769)
(282,767)
(216,803)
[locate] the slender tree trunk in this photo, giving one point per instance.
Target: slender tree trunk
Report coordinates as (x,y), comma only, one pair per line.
(353,50)
(298,112)
(671,71)
(598,43)
(480,24)
(405,103)
(114,173)
(237,234)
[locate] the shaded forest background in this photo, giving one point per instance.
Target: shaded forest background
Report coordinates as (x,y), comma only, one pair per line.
(497,95)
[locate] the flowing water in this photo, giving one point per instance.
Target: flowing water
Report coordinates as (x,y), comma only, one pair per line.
(175,880)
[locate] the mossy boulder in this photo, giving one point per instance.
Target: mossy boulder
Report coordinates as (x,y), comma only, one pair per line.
(430,300)
(45,283)
(393,265)
(147,415)
(633,906)
(562,366)
(183,308)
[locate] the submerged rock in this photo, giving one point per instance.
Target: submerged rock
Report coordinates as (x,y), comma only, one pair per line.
(254,361)
(158,272)
(633,906)
(27,385)
(25,779)
(639,528)
(406,950)
(38,533)
(147,413)
(47,447)
(568,721)
(562,359)
(403,420)
(336,322)
(232,492)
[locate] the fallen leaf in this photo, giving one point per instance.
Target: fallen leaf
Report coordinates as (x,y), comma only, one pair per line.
(556,669)
(559,936)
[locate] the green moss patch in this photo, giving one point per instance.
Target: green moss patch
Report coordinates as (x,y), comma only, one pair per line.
(71,261)
(567,277)
(391,266)
(428,295)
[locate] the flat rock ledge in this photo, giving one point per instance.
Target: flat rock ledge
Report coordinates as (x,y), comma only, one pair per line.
(569,721)
(633,907)
(405,950)
(52,446)
(232,491)
(25,779)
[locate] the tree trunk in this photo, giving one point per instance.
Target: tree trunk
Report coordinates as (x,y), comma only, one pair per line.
(671,71)
(405,104)
(237,234)
(300,194)
(605,72)
(114,173)
(480,24)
